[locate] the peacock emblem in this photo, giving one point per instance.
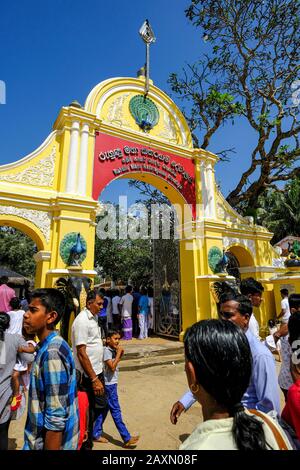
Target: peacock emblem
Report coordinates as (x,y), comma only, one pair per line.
(73,249)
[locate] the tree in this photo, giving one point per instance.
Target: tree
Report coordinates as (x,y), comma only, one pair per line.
(122,260)
(280,211)
(250,72)
(16,251)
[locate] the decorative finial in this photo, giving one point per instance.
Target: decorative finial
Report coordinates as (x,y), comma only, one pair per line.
(148,37)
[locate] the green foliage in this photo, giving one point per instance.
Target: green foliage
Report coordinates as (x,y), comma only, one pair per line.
(122,260)
(248,70)
(279,211)
(16,251)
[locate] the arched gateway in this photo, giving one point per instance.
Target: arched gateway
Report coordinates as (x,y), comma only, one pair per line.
(52,194)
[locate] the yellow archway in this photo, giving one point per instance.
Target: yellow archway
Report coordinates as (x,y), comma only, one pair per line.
(53,192)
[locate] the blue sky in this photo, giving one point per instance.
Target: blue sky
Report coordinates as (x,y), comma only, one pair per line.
(55,51)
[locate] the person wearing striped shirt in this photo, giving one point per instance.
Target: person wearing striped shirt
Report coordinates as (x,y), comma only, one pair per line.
(53,416)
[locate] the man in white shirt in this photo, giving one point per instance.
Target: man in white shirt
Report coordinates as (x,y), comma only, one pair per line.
(253,290)
(88,356)
(285,308)
(125,308)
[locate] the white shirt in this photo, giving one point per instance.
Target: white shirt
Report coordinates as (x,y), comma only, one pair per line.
(115,301)
(85,330)
(285,306)
(126,302)
(16,322)
(254,326)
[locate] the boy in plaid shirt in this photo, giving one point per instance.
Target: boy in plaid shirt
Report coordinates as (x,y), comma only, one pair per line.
(53,417)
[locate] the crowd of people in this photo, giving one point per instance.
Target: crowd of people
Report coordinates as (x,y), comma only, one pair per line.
(230,371)
(131,313)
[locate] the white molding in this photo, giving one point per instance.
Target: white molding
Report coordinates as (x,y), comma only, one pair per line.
(70,271)
(257,269)
(212,277)
(83,160)
(74,219)
(72,158)
(42,256)
(41,219)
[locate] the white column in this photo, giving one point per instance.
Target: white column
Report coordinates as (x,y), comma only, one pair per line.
(211,191)
(204,189)
(83,160)
(72,159)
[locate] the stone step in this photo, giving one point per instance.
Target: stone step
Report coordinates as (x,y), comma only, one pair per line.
(151,361)
(151,351)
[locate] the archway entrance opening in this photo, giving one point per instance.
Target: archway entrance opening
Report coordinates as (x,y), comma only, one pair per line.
(17,262)
(143,250)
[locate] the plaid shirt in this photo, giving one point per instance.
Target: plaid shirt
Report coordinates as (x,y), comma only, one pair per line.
(52,399)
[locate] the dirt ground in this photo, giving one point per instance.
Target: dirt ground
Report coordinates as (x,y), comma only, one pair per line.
(146,397)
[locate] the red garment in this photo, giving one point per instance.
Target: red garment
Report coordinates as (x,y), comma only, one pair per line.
(291,411)
(6,294)
(83,405)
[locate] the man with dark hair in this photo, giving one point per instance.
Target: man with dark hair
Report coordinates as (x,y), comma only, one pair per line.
(262,393)
(253,290)
(53,420)
(88,354)
(285,309)
(6,294)
(291,411)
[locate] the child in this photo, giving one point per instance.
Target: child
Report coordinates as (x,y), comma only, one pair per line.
(111,357)
(53,417)
(21,371)
(83,406)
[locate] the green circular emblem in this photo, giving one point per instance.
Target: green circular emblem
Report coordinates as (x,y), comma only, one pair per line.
(73,249)
(144,111)
(214,257)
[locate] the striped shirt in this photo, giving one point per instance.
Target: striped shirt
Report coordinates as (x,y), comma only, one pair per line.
(52,398)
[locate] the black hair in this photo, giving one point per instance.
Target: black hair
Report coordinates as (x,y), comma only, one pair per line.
(294,327)
(92,294)
(128,289)
(294,301)
(284,292)
(52,299)
(251,286)
(4,324)
(112,332)
(15,303)
(245,306)
(225,376)
(144,291)
(3,280)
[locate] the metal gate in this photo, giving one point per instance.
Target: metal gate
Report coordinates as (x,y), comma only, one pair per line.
(167,299)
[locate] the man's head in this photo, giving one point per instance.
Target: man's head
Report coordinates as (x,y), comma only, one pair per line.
(128,289)
(284,293)
(236,308)
(253,290)
(3,280)
(294,303)
(94,302)
(44,311)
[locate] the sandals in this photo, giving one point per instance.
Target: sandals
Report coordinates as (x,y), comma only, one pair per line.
(16,402)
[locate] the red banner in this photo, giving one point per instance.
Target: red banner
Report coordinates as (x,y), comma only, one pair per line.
(115,157)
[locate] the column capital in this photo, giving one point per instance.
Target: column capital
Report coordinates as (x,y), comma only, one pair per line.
(42,256)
